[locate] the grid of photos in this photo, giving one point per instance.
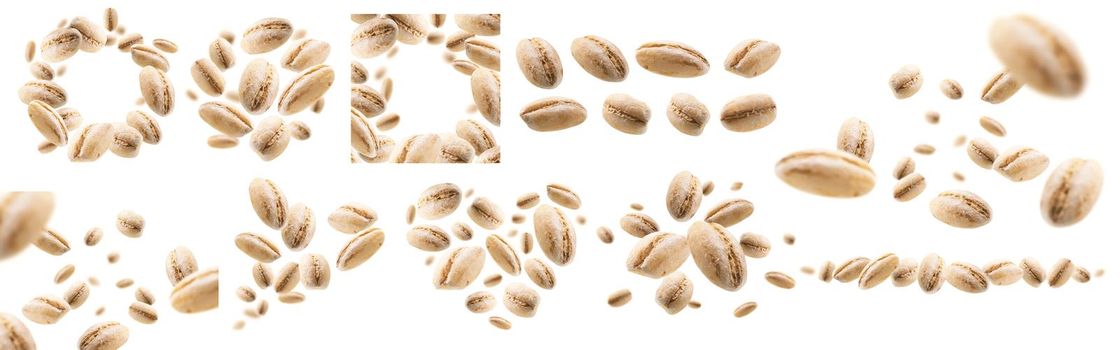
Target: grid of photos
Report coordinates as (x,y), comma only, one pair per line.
(659,157)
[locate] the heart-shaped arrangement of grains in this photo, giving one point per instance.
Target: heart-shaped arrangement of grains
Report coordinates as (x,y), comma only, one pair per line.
(460,264)
(376,38)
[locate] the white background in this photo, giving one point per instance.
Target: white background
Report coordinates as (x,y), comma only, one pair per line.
(835,62)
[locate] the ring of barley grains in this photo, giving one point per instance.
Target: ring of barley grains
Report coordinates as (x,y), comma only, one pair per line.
(470,141)
(61,125)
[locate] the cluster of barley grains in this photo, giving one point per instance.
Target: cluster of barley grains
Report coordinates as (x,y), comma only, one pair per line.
(1069,194)
(551,243)
(24,216)
(718,254)
(260,86)
(1035,54)
(61,125)
(932,272)
(540,64)
(370,124)
(296,225)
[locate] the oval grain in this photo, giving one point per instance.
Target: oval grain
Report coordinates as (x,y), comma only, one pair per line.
(373,37)
(658,254)
(521,300)
(1000,87)
(1038,54)
(687,114)
(600,58)
(851,269)
(110,335)
(305,54)
(477,135)
(717,255)
(147,125)
(754,245)
(258,86)
(555,234)
(909,187)
(671,59)
(315,273)
(266,35)
(268,202)
(730,212)
(540,273)
(1021,164)
(60,44)
(683,196)
(481,24)
(428,238)
(638,224)
(47,92)
(352,217)
(780,280)
(878,271)
(439,201)
(748,113)
(906,81)
(91,143)
(827,173)
(982,152)
(553,114)
(48,122)
(458,268)
(196,293)
(287,278)
(540,63)
(179,264)
(221,54)
(626,113)
(966,277)
(360,248)
(481,302)
(367,100)
(1071,191)
(305,89)
(299,229)
(143,313)
(257,247)
(930,276)
(751,58)
(855,137)
(157,90)
(270,138)
(147,56)
(674,293)
(483,53)
(961,209)
(486,88)
(563,196)
(1002,273)
(485,213)
(226,118)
